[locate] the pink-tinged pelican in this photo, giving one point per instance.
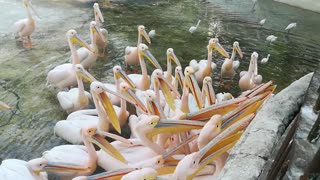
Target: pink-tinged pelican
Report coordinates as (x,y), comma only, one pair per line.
(228,66)
(25,27)
(4,106)
(205,67)
(101,41)
(76,98)
(250,78)
(63,76)
(208,94)
(131,53)
(88,58)
(19,169)
(142,81)
(171,57)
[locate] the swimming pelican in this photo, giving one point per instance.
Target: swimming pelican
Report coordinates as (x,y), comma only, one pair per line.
(227,69)
(4,106)
(142,81)
(247,82)
(64,76)
(290,26)
(25,27)
(152,33)
(19,169)
(205,67)
(132,57)
(171,57)
(262,22)
(193,29)
(89,58)
(76,98)
(265,60)
(271,38)
(100,40)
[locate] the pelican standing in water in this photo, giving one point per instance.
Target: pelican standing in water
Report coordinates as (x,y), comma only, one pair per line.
(227,69)
(101,41)
(247,81)
(131,53)
(171,57)
(205,67)
(88,58)
(63,76)
(25,27)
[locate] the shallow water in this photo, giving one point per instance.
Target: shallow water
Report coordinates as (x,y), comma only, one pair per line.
(27,131)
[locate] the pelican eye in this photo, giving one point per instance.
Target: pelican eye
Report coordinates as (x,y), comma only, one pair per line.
(158,161)
(194,162)
(40,164)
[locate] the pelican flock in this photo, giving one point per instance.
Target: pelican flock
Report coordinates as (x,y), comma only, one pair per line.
(177,133)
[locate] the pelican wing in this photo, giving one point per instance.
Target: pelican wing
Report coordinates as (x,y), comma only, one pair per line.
(83,53)
(19,25)
(64,100)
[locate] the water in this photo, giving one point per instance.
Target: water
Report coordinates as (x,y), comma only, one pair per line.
(28,131)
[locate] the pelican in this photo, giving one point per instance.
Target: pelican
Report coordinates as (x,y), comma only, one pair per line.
(247,81)
(19,169)
(208,94)
(100,40)
(290,26)
(152,33)
(271,38)
(64,76)
(88,58)
(193,29)
(76,98)
(69,129)
(4,106)
(142,81)
(227,69)
(265,60)
(25,27)
(132,56)
(171,57)
(262,22)
(144,173)
(204,67)
(220,97)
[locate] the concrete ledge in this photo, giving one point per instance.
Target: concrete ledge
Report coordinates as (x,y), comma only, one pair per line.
(249,156)
(313,5)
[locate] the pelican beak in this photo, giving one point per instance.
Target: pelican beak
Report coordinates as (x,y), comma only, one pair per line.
(114,136)
(154,108)
(166,89)
(77,40)
(146,36)
(4,106)
(86,75)
(208,92)
(106,146)
(220,49)
(95,29)
(192,84)
(136,101)
(174,58)
(108,107)
(63,167)
(149,56)
(29,4)
(239,51)
(116,174)
(125,77)
(98,13)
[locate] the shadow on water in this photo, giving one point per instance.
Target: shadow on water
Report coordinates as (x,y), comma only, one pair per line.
(28,131)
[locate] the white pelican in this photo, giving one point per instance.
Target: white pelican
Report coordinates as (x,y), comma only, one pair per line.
(204,67)
(152,33)
(208,94)
(101,42)
(193,29)
(64,76)
(227,69)
(262,22)
(271,38)
(265,60)
(19,169)
(76,98)
(171,57)
(89,58)
(247,81)
(132,57)
(25,27)
(100,118)
(142,81)
(290,26)
(4,106)
(220,97)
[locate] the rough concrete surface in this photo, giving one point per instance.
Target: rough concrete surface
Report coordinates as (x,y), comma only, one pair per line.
(250,154)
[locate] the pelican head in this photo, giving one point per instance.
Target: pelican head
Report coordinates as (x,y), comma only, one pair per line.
(142,32)
(214,44)
(28,4)
(73,39)
(37,164)
(95,30)
(172,57)
(207,91)
(81,72)
(119,73)
(191,83)
(97,12)
(178,77)
(143,51)
(236,47)
(125,88)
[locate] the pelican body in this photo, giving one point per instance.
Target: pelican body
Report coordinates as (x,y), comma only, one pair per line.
(101,40)
(228,66)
